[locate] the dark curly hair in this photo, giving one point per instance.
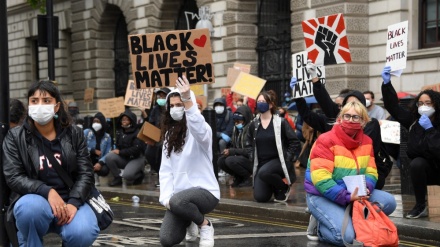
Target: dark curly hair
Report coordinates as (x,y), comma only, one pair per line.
(45,86)
(435,99)
(17,111)
(173,132)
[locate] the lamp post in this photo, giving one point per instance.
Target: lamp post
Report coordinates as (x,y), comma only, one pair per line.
(4,114)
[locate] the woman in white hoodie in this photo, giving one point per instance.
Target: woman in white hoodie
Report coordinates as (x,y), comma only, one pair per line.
(188,187)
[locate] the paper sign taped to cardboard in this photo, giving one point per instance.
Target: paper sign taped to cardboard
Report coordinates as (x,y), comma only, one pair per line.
(158,59)
(112,107)
(138,97)
(304,85)
(390,131)
(88,95)
(248,85)
(235,71)
(397,46)
(149,133)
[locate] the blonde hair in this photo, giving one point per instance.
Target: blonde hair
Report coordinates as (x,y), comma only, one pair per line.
(358,107)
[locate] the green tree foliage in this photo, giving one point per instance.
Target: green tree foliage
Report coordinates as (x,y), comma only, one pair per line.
(38,4)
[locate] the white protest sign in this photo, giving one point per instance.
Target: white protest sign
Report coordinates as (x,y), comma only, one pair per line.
(390,131)
(138,97)
(397,46)
(304,85)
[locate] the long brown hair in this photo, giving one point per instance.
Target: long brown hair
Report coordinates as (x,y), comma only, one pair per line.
(172,132)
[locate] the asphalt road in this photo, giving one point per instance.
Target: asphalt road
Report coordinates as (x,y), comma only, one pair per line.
(139,226)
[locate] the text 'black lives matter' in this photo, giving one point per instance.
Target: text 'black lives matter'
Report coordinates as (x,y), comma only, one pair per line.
(159,59)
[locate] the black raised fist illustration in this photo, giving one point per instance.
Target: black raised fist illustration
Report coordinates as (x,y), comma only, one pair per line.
(326,40)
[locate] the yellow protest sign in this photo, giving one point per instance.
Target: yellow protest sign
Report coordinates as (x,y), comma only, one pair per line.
(112,107)
(198,89)
(138,97)
(88,95)
(248,85)
(158,59)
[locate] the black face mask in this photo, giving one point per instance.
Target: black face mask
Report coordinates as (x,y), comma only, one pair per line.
(282,115)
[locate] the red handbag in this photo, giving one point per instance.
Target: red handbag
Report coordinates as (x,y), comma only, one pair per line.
(371,225)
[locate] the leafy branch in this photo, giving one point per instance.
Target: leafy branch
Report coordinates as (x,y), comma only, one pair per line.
(38,4)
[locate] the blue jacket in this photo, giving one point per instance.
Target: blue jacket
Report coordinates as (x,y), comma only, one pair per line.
(106,143)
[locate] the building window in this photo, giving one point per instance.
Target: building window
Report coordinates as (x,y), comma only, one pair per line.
(430,23)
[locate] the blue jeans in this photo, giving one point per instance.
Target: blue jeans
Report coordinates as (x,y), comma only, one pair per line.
(330,216)
(34,219)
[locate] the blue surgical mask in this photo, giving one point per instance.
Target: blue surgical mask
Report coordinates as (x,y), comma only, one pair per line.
(239,126)
(287,99)
(262,107)
(161,102)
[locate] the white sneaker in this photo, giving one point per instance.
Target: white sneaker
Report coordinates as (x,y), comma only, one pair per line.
(207,236)
(312,229)
(97,180)
(192,232)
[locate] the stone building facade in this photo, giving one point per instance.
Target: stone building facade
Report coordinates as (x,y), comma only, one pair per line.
(90,43)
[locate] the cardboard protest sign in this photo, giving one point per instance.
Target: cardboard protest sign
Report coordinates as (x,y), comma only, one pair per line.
(235,71)
(326,40)
(390,131)
(158,59)
(435,87)
(248,85)
(112,107)
(149,133)
(88,95)
(397,46)
(304,85)
(198,89)
(138,97)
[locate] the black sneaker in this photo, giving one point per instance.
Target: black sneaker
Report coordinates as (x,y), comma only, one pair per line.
(246,183)
(116,182)
(419,210)
(139,180)
(237,181)
(282,195)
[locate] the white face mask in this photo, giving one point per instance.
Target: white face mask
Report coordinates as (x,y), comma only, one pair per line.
(426,110)
(97,126)
(219,109)
(367,103)
(42,114)
(177,113)
(80,125)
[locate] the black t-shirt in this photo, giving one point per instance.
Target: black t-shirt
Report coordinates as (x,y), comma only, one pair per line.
(266,144)
(47,173)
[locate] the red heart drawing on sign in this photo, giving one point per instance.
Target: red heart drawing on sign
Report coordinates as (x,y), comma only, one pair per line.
(201,41)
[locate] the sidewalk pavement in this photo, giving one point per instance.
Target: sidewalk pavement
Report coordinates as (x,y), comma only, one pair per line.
(239,201)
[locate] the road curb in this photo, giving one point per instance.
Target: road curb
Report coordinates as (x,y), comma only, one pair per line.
(414,228)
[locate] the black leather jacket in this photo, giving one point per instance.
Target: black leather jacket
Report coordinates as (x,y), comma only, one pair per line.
(21,164)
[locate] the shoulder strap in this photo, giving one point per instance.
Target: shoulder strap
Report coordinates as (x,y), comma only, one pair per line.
(49,154)
(355,243)
(227,116)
